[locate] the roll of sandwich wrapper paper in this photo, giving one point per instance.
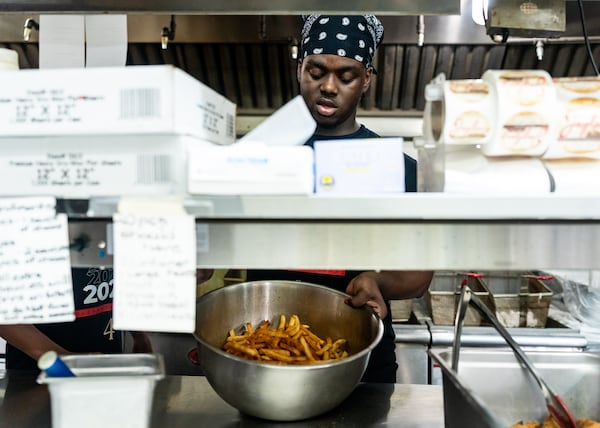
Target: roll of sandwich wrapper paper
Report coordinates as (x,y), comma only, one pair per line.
(54,366)
(459,111)
(525,112)
(578,133)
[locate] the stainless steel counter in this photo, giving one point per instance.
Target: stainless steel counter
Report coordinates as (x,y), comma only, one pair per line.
(189,401)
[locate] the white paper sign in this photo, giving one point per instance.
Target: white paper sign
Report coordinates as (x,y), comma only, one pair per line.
(154,272)
(35,269)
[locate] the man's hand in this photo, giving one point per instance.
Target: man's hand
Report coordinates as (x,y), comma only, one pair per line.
(364,290)
(375,288)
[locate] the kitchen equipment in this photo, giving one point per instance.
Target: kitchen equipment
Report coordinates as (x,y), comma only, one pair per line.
(283,392)
(492,390)
(558,409)
(522,299)
(463,305)
(401,309)
(108,390)
(443,295)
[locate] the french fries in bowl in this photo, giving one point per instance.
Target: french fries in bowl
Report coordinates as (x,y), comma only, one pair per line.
(283,350)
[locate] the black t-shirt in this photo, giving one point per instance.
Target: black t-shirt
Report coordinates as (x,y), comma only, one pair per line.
(91,331)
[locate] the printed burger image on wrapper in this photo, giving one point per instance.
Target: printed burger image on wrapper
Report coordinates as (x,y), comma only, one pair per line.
(578,133)
(460,111)
(525,109)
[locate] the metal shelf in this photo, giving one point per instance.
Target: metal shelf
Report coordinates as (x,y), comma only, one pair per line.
(236,7)
(416,231)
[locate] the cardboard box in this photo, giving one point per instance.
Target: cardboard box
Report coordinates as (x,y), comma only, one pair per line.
(157,99)
(250,168)
(360,166)
(82,167)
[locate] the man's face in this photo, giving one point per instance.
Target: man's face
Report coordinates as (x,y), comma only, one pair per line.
(332,87)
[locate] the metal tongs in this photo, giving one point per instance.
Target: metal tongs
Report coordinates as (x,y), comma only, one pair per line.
(558,409)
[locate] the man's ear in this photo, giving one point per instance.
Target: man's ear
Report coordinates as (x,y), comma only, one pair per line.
(367,82)
(299,70)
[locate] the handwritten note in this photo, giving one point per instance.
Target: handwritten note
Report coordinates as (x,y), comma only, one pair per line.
(154,272)
(35,269)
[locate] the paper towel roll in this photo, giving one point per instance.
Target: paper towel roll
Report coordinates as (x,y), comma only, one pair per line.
(525,107)
(463,113)
(578,131)
(468,171)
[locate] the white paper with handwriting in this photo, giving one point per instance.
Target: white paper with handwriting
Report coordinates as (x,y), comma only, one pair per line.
(35,269)
(154,272)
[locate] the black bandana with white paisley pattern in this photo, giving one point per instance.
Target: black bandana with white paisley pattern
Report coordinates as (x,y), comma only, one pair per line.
(352,36)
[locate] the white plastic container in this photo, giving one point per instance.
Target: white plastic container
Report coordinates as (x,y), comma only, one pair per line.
(109,390)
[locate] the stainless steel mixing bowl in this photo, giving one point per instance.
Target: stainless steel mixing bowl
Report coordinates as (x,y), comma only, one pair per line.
(283,392)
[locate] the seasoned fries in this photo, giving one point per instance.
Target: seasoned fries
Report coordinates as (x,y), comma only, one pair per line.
(290,343)
(550,423)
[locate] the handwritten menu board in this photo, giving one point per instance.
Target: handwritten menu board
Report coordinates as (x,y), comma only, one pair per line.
(155,272)
(35,269)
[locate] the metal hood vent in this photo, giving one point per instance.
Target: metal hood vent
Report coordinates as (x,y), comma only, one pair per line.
(247,58)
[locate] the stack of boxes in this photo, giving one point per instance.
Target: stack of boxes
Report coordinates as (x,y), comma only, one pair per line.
(79,133)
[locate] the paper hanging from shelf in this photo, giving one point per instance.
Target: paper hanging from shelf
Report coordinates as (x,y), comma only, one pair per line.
(154,267)
(35,268)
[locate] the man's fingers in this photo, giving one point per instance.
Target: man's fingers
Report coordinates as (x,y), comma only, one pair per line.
(379,307)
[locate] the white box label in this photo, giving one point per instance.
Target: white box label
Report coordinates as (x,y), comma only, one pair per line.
(79,173)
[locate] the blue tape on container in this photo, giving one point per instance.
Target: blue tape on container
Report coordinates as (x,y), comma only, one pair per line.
(53,366)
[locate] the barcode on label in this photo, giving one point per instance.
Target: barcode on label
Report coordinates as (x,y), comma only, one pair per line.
(153,169)
(229,126)
(140,103)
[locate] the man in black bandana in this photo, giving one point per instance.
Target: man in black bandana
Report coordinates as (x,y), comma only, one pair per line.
(334,72)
